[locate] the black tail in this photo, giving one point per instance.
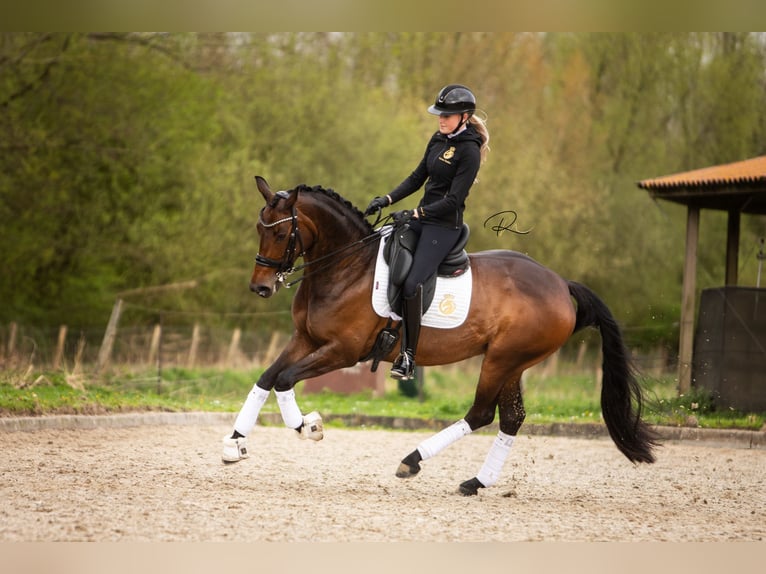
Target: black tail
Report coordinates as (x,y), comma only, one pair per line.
(619,387)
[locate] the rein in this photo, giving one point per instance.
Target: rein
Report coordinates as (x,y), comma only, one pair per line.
(358,244)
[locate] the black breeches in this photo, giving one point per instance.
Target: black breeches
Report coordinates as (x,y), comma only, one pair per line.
(434,244)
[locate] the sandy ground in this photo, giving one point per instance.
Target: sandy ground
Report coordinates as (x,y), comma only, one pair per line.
(167,483)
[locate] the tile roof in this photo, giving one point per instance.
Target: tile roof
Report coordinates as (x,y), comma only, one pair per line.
(739,186)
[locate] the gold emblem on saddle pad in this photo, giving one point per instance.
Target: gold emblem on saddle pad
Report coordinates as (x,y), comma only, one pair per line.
(447,305)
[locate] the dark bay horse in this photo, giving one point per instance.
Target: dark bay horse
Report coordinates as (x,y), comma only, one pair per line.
(520,313)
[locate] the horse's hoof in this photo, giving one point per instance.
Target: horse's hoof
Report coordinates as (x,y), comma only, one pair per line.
(471,487)
(406,471)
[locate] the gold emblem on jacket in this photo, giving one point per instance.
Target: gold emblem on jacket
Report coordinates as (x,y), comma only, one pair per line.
(449,154)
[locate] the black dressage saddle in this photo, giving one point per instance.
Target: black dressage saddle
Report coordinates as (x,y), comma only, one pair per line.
(398,253)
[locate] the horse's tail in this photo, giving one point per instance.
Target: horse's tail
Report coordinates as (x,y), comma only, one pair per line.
(619,387)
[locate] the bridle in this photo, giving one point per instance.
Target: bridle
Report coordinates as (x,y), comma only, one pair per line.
(285,266)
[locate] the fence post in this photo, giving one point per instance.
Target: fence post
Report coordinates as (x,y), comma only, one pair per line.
(551,365)
(78,354)
(581,351)
(12,340)
(194,345)
(60,347)
(272,351)
(599,371)
(105,353)
(155,344)
(233,354)
(159,329)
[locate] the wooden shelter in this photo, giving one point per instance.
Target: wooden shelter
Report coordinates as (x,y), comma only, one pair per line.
(736,188)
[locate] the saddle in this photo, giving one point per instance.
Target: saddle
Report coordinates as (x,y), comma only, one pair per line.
(398,253)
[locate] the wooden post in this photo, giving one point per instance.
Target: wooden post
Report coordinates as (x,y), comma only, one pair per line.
(159,356)
(78,355)
(12,340)
(194,346)
(272,351)
(105,353)
(60,347)
(155,344)
(581,350)
(686,337)
(552,365)
(233,354)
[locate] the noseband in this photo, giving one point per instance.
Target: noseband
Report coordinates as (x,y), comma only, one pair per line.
(285,266)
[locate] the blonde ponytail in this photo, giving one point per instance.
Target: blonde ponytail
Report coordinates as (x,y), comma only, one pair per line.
(481,127)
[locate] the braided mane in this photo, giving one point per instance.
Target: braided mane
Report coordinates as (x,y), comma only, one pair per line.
(335,196)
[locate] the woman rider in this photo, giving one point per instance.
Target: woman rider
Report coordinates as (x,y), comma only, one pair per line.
(448,169)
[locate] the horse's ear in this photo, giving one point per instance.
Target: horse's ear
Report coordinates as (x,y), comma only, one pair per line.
(264,188)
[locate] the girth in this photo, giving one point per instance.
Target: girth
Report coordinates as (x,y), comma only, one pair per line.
(398,253)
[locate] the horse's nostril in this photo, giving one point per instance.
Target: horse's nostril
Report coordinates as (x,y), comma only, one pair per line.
(263,291)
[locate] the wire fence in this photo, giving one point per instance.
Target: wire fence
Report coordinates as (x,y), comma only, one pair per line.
(166,344)
(163,344)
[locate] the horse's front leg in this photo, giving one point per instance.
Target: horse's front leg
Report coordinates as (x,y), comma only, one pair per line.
(300,360)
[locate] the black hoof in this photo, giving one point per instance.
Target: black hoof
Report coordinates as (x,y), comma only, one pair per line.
(406,471)
(471,487)
(410,465)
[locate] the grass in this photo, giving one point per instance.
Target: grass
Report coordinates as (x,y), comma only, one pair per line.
(447,395)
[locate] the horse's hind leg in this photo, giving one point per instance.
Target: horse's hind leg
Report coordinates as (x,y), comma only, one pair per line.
(410,465)
(512,414)
(481,413)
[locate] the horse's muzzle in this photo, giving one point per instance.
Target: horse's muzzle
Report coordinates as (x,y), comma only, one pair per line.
(261,290)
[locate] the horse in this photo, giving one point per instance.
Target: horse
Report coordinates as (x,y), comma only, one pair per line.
(520,313)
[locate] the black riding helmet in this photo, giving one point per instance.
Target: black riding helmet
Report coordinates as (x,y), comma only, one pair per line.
(453,99)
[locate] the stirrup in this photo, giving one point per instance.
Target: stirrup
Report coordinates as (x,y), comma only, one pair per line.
(404,367)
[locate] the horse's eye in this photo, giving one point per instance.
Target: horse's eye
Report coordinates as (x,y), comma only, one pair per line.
(281,236)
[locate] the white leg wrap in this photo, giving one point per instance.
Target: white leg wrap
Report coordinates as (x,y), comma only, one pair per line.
(443,439)
(493,464)
(291,413)
(249,412)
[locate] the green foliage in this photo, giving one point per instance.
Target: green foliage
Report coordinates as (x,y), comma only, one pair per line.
(127,160)
(571,399)
(697,408)
(448,396)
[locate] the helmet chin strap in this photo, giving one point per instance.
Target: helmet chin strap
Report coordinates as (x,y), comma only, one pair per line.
(461,123)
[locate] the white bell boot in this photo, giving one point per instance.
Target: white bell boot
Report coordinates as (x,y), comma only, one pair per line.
(312,428)
(234,449)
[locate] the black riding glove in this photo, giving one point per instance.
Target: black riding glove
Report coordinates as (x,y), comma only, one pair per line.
(376,204)
(402,217)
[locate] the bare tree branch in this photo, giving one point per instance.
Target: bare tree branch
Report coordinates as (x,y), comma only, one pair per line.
(147,41)
(40,79)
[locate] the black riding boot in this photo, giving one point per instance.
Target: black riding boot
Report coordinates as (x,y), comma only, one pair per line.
(412,311)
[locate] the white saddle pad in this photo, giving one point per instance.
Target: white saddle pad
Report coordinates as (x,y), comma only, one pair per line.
(451,302)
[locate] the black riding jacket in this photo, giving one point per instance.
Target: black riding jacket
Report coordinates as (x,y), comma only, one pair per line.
(450,166)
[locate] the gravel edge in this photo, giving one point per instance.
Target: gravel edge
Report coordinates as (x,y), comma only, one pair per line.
(729,438)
